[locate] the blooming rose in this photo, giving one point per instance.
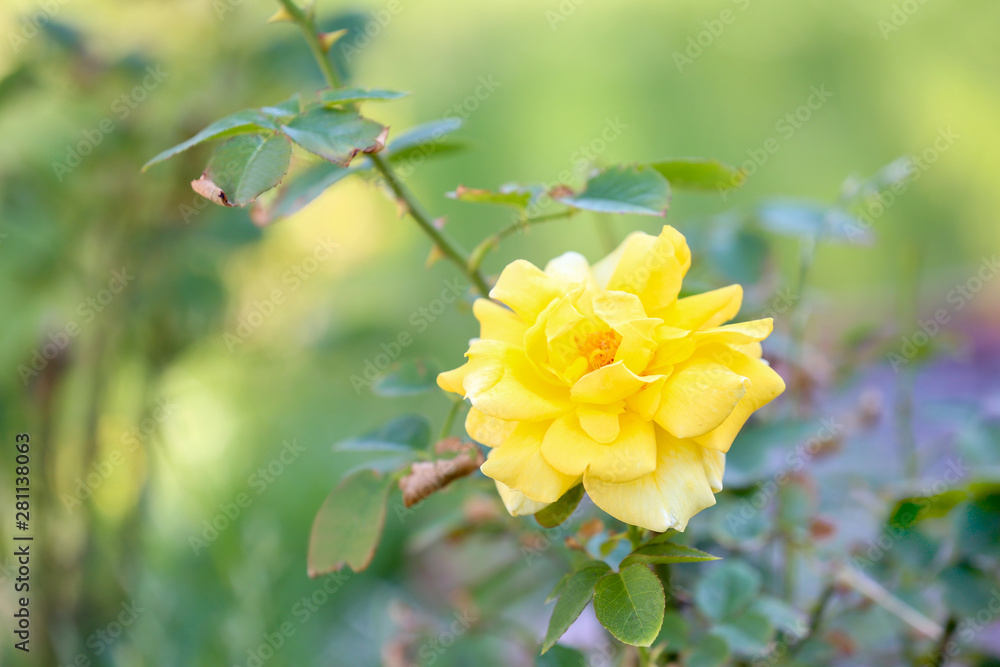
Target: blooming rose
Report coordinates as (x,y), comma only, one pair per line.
(601,374)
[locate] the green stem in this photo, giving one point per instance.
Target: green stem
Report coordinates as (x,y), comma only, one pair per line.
(449,420)
(416,210)
(815,617)
(307,23)
(940,656)
(645,658)
(479,252)
(635,536)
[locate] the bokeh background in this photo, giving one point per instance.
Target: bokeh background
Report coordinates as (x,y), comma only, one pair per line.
(149,421)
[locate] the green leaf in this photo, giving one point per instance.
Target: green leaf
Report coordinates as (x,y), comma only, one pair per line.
(562,656)
(727,590)
(349,524)
(910,511)
(241,122)
(641,190)
(559,587)
(247,165)
(630,604)
(782,615)
(748,633)
(710,651)
(674,631)
(665,552)
(554,514)
(403,434)
(407,378)
(517,199)
(425,140)
(287,109)
(336,135)
(661,537)
(344,96)
(699,174)
(978,525)
(574,598)
(296,194)
(807,219)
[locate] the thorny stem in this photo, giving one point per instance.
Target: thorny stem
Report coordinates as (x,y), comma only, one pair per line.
(305,19)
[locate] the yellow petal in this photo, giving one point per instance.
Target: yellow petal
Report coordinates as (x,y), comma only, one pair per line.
(599,423)
(519,464)
(638,345)
(617,308)
(753,350)
(608,384)
(502,384)
(498,323)
(715,466)
(666,498)
(526,289)
(629,456)
(764,386)
(648,266)
(737,334)
(569,268)
(646,401)
(698,398)
(487,430)
(709,309)
(517,503)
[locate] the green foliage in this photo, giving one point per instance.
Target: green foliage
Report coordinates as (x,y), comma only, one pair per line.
(574,596)
(726,590)
(348,96)
(665,552)
(641,190)
(699,174)
(425,140)
(557,512)
(247,165)
(561,656)
(349,524)
(630,604)
(334,134)
(241,122)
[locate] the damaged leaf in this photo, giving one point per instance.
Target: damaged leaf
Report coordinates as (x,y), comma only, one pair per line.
(336,135)
(426,477)
(243,167)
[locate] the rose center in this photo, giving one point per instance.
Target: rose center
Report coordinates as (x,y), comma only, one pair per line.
(599,348)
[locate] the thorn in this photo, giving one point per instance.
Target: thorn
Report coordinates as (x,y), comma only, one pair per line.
(433,256)
(328,39)
(281,15)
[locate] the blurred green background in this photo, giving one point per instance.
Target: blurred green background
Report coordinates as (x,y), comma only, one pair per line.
(212,414)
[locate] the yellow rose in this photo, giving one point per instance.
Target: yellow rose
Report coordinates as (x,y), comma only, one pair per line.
(601,374)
